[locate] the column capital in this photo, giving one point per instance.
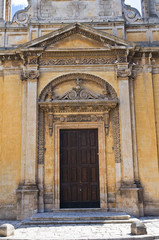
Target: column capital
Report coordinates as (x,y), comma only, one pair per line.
(124,73)
(30,75)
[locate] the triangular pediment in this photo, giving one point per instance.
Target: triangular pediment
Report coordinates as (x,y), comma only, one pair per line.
(77,36)
(76,41)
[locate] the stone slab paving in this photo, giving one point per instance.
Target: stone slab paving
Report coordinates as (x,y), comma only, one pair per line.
(81,231)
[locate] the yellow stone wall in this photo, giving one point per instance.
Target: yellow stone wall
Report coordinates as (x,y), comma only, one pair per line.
(146,117)
(10,140)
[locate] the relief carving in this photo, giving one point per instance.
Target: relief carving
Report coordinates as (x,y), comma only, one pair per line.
(76,61)
(131,14)
(116,134)
(41,136)
(30,74)
(124,73)
(77,93)
(109,90)
(22,16)
(86,106)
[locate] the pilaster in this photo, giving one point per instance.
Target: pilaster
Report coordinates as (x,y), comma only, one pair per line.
(27,190)
(128,191)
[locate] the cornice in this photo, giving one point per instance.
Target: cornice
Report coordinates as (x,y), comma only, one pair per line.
(78,106)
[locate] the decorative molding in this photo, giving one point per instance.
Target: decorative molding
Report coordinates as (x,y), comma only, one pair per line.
(30,74)
(78,106)
(10,57)
(131,14)
(85,77)
(22,17)
(106,122)
(76,61)
(50,122)
(79,118)
(84,31)
(116,134)
(77,93)
(41,136)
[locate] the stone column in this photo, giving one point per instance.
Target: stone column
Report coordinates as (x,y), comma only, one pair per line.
(27,190)
(129,191)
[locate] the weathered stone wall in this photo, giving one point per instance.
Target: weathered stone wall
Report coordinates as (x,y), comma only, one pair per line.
(10,142)
(13,93)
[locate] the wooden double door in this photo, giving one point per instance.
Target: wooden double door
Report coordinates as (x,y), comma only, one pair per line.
(79,169)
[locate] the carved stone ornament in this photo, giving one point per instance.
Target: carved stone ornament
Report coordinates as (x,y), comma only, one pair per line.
(22,17)
(131,14)
(124,73)
(79,104)
(30,74)
(78,99)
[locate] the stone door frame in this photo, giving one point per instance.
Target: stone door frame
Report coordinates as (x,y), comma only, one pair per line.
(102,158)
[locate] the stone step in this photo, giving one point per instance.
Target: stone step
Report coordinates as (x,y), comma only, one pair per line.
(81,216)
(73,222)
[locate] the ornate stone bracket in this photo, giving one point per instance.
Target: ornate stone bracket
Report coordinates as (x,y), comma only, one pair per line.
(30,74)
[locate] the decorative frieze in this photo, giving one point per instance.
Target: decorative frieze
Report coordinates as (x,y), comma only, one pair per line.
(75,61)
(79,118)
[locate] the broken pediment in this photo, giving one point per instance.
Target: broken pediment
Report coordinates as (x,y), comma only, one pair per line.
(77,36)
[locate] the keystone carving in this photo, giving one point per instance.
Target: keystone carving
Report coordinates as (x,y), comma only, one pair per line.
(30,74)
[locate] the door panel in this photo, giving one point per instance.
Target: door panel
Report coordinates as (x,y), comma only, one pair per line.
(79,168)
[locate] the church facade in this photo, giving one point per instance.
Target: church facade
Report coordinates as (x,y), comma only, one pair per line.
(79,107)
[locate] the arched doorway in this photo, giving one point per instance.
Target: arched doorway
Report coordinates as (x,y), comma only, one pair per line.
(76,104)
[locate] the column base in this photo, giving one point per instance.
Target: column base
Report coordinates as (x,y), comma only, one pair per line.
(132,200)
(27,201)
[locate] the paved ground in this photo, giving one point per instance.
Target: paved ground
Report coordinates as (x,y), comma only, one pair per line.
(90,231)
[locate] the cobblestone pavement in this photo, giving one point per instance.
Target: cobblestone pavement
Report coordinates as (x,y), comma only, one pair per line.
(81,231)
